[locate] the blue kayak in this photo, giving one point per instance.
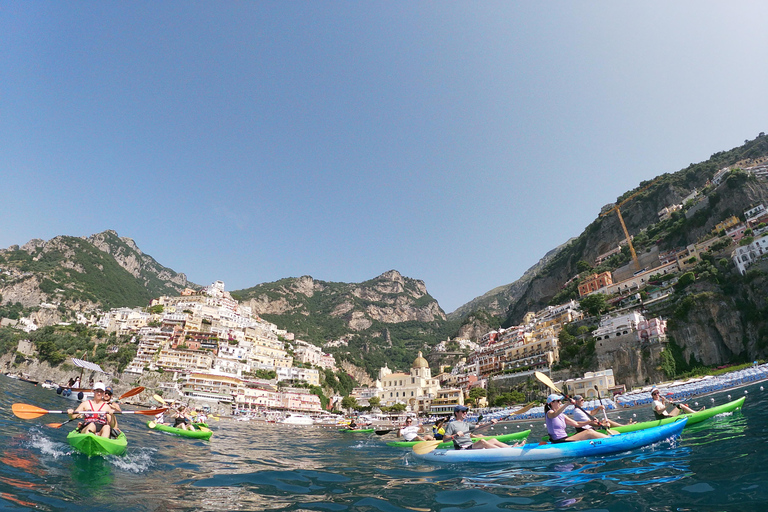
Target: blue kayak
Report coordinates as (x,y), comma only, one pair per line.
(588,448)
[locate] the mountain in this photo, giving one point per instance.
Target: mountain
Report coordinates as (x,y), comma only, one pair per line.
(82,274)
(385,320)
(496,302)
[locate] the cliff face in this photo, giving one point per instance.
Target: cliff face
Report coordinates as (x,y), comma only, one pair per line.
(368,324)
(389,299)
(83,274)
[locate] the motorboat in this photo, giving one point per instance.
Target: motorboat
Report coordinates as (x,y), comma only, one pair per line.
(297,419)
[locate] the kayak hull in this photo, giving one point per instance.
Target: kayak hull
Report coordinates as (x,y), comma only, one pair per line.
(536,452)
(193,434)
(91,444)
(449,444)
(696,417)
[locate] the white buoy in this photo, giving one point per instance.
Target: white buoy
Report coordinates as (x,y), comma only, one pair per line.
(712,399)
(729,397)
(761,388)
(696,403)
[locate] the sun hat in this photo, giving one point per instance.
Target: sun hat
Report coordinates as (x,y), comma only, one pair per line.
(460,408)
(554,396)
(98,385)
(578,397)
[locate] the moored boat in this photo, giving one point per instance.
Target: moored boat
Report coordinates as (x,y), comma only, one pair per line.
(516,436)
(536,452)
(91,444)
(204,433)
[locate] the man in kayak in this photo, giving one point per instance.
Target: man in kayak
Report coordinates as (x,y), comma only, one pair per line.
(411,432)
(95,422)
(556,422)
(116,408)
(660,406)
(459,430)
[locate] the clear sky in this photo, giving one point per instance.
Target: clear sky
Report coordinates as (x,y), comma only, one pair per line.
(456,142)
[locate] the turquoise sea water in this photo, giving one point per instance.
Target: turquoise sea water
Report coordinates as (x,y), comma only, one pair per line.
(719,465)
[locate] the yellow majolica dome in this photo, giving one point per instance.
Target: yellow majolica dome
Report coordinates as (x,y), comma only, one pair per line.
(420,362)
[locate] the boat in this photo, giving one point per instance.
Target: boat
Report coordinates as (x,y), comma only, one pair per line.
(538,452)
(49,384)
(516,436)
(204,433)
(297,419)
(693,418)
(91,444)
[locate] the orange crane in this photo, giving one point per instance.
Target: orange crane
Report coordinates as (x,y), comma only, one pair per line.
(617,208)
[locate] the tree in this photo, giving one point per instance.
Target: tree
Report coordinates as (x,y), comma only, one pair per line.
(583,266)
(593,304)
(476,393)
(349,402)
(374,401)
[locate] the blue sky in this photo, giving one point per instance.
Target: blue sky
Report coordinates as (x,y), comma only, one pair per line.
(456,142)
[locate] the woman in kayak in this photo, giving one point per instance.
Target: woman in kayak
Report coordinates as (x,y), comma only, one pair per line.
(580,415)
(556,422)
(95,422)
(112,417)
(660,406)
(458,431)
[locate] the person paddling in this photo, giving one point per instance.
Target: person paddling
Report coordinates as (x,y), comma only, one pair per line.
(94,422)
(411,432)
(116,408)
(459,430)
(556,422)
(660,406)
(584,417)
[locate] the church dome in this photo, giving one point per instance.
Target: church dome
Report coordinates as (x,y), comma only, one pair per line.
(420,362)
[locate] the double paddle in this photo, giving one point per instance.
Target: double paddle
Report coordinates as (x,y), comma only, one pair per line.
(423,447)
(132,392)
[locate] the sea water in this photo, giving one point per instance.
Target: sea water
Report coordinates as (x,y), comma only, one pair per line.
(718,465)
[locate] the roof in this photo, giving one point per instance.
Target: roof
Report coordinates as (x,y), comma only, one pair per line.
(80,363)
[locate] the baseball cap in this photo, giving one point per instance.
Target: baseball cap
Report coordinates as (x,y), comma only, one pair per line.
(98,385)
(108,389)
(460,408)
(554,396)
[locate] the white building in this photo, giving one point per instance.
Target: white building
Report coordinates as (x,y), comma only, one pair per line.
(746,255)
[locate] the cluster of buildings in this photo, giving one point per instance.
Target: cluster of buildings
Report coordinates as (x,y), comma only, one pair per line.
(215,348)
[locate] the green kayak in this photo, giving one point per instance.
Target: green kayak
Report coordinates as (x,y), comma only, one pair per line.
(694,418)
(503,438)
(194,434)
(91,444)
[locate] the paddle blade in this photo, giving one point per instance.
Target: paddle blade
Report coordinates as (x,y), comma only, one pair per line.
(159,399)
(522,409)
(547,382)
(382,432)
(612,432)
(133,392)
(151,424)
(148,412)
(54,425)
(27,412)
(203,429)
(423,447)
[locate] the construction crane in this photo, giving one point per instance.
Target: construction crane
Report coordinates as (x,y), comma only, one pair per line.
(617,208)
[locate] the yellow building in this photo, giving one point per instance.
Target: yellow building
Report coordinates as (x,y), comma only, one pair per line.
(414,389)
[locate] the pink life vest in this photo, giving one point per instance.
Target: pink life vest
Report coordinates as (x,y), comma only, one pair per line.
(101,419)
